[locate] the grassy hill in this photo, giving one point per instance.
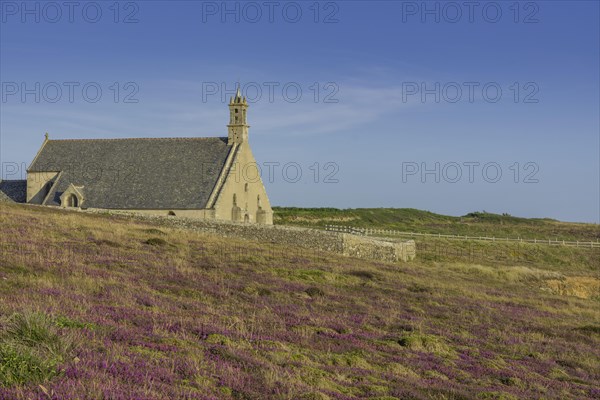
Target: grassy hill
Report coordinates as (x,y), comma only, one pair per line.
(411,220)
(99,307)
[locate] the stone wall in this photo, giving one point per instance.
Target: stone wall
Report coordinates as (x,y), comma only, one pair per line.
(362,247)
(313,239)
(243,183)
(195,214)
(38,185)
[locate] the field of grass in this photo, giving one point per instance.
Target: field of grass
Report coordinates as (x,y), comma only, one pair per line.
(569,261)
(411,220)
(106,307)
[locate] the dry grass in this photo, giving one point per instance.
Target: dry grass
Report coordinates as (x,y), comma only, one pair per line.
(195,316)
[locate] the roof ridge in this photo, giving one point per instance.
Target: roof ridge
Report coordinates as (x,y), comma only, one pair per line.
(138,138)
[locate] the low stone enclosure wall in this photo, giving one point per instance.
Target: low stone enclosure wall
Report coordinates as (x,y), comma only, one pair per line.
(361,247)
(313,239)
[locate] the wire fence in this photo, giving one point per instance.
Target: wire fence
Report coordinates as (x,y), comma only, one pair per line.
(392,232)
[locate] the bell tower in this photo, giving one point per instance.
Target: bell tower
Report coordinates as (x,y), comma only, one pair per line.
(238,127)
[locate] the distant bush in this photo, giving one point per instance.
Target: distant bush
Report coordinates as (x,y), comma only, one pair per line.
(109,243)
(31,349)
(314,291)
(416,288)
(156,242)
(258,291)
(154,231)
(590,329)
(264,292)
(363,274)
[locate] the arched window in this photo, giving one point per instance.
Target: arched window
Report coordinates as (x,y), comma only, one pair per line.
(72,197)
(245,187)
(258,201)
(234,200)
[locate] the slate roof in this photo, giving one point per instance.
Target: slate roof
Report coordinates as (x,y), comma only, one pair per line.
(13,191)
(170,173)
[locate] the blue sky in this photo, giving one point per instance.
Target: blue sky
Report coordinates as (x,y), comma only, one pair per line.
(403,87)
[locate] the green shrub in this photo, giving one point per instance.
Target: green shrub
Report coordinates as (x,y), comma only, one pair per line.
(31,349)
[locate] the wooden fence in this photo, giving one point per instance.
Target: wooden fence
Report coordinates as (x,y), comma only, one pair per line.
(391,232)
